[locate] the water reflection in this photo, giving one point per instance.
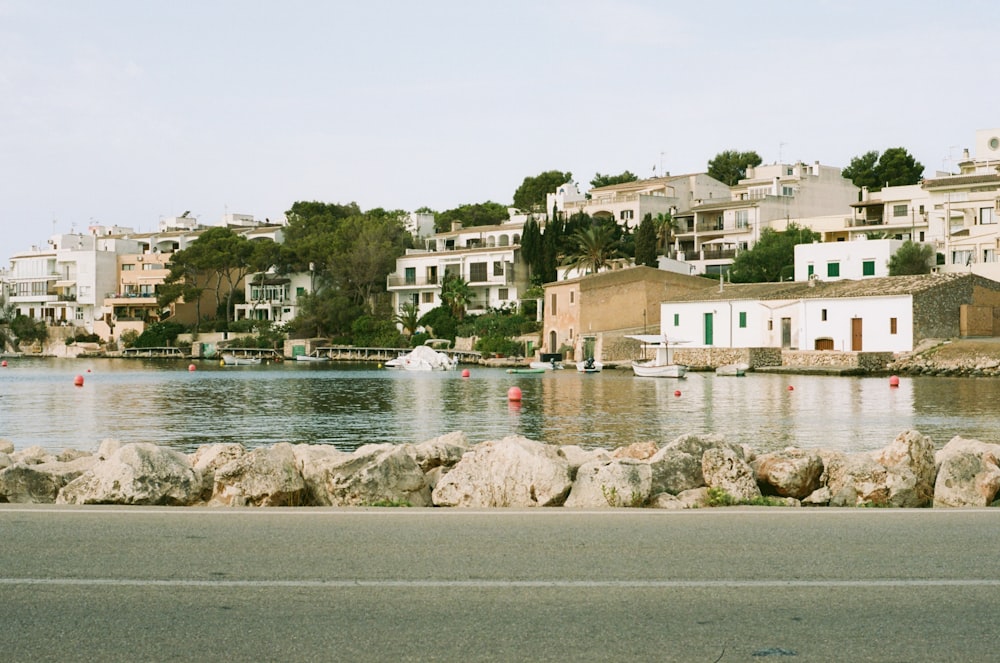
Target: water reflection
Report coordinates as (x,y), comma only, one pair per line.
(351,405)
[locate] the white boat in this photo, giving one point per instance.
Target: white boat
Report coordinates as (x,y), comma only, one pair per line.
(733,370)
(234,360)
(423,358)
(312,357)
(547,365)
(662,364)
(589,366)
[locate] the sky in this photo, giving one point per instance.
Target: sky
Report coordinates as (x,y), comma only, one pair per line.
(117,112)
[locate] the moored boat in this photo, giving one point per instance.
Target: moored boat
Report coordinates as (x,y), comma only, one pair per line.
(589,366)
(662,364)
(732,370)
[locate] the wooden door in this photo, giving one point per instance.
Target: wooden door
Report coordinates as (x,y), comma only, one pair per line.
(856,334)
(786,333)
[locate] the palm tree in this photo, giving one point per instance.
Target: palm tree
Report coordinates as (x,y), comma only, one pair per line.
(456,294)
(408,318)
(666,228)
(594,249)
(7,314)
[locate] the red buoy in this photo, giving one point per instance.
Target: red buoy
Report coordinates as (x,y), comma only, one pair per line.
(677,393)
(791,388)
(191,367)
(894,381)
(3,363)
(465,372)
(78,381)
(514,394)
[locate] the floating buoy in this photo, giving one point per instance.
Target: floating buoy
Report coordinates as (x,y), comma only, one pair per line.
(78,381)
(791,388)
(191,367)
(3,363)
(465,373)
(677,393)
(379,365)
(894,381)
(88,370)
(514,394)
(222,363)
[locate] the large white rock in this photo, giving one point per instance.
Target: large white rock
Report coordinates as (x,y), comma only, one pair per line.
(911,470)
(724,468)
(210,457)
(968,473)
(675,470)
(512,472)
(372,475)
(855,480)
(636,450)
(311,460)
(790,472)
(262,477)
(34,455)
(6,447)
(138,473)
(615,482)
(5,460)
(443,451)
(40,484)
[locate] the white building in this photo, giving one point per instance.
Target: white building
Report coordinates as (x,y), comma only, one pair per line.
(832,261)
(486,257)
(273,297)
(888,314)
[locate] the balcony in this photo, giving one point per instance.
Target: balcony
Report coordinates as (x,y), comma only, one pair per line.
(397,281)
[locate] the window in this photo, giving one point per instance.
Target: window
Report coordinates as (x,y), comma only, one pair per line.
(986,216)
(552,305)
(811,269)
(770,325)
(868,268)
(497,268)
(892,325)
(833,269)
(427,297)
(743,319)
(899,210)
(961,257)
(299,291)
(477,272)
(572,296)
(742,218)
(822,314)
(79,314)
(787,191)
(626,214)
(128,268)
(677,319)
(410,275)
(147,266)
(989,255)
(432,274)
(502,294)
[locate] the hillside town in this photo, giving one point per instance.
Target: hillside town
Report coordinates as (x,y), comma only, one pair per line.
(101,290)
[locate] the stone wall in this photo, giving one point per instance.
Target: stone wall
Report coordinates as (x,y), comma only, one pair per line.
(867,361)
(711,358)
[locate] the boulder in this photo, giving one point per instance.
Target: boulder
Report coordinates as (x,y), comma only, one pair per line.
(311,460)
(108,447)
(34,455)
(139,473)
(210,457)
(819,497)
(789,473)
(637,450)
(694,498)
(374,474)
(666,501)
(724,468)
(5,460)
(697,445)
(911,471)
(968,473)
(614,482)
(66,455)
(576,456)
(855,480)
(40,484)
(444,451)
(512,472)
(263,477)
(674,471)
(6,447)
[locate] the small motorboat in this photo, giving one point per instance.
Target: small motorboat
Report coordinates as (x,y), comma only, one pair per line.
(312,357)
(551,365)
(662,365)
(732,370)
(229,359)
(589,366)
(528,369)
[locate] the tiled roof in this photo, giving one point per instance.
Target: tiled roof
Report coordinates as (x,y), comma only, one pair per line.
(873,287)
(638,184)
(725,204)
(961,180)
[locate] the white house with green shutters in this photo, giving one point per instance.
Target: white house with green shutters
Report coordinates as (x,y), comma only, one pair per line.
(833,261)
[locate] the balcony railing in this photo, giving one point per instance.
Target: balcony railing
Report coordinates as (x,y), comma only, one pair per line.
(397,281)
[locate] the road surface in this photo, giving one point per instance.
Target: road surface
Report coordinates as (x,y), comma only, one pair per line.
(739,584)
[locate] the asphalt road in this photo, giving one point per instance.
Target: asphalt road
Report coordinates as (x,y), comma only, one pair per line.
(143,584)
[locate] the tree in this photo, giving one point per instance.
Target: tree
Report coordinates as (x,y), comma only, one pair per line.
(531,246)
(609,180)
(7,314)
(594,249)
(772,257)
(366,247)
(531,194)
(456,295)
(479,214)
(911,258)
(645,242)
(666,228)
(894,167)
(730,167)
(408,317)
(28,330)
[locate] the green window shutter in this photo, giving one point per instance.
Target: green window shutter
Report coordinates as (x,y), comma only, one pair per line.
(868,268)
(743,319)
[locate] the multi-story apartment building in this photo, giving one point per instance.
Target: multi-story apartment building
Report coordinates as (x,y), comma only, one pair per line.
(273,297)
(65,283)
(964,209)
(895,212)
(488,258)
(711,233)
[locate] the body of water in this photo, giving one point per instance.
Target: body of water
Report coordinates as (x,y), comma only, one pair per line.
(350,405)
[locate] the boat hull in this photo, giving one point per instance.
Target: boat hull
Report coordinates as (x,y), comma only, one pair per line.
(652,370)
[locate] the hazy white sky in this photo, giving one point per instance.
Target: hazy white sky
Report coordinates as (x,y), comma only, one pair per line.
(127,111)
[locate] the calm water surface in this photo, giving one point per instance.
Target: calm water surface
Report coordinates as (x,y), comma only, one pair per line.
(351,405)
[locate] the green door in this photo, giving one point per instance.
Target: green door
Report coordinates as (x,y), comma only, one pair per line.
(709,337)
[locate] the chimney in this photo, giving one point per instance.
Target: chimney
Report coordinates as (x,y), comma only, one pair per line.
(456,225)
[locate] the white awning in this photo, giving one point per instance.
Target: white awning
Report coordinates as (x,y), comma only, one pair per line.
(719,241)
(65,284)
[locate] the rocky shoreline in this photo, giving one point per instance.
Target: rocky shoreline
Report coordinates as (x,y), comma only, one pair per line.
(689,472)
